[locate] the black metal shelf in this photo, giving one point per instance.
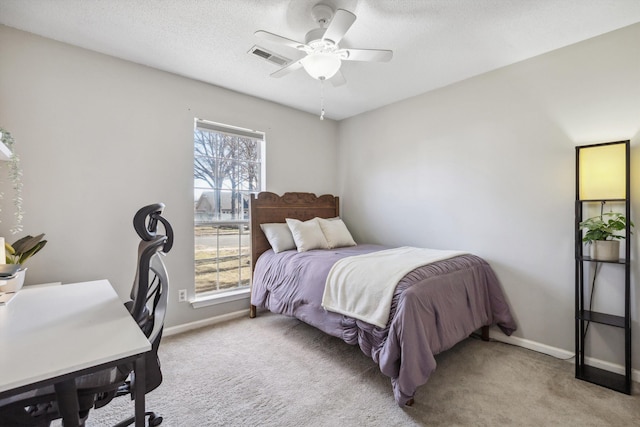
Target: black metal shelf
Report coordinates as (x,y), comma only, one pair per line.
(608,379)
(589,259)
(583,283)
(602,200)
(602,318)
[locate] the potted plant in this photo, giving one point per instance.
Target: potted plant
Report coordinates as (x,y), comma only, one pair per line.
(601,235)
(18,253)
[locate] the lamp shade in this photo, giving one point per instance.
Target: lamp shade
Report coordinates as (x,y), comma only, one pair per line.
(602,172)
(321,66)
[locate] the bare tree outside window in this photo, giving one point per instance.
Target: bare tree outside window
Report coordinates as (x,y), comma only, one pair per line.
(228,167)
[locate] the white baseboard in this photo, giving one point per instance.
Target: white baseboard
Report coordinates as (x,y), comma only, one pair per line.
(562,354)
(205,322)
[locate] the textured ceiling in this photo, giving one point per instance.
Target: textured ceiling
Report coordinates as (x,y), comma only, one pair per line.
(435,42)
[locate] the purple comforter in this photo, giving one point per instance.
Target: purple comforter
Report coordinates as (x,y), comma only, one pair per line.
(434,307)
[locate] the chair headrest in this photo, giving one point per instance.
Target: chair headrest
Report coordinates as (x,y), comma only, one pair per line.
(145,222)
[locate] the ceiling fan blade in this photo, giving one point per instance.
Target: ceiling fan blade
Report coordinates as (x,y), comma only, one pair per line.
(339,25)
(338,79)
(288,69)
(265,35)
(375,55)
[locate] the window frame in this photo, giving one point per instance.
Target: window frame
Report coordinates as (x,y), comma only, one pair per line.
(202,299)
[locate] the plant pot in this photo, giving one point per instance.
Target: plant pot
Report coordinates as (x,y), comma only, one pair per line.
(15,284)
(605,250)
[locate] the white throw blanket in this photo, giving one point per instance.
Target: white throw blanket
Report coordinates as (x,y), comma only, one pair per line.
(362,286)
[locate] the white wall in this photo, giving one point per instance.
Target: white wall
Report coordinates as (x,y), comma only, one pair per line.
(100,137)
(487,165)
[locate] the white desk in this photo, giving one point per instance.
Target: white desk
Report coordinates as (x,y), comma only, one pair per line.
(48,335)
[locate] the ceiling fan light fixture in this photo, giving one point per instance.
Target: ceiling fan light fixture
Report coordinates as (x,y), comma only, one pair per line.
(321,66)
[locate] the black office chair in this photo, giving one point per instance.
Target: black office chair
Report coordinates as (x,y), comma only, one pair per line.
(147,306)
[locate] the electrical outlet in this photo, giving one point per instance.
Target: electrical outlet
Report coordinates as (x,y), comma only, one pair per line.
(182,295)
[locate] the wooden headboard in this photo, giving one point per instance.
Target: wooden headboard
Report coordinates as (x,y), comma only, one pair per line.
(269,207)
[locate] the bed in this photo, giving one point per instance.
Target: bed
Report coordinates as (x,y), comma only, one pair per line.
(433,307)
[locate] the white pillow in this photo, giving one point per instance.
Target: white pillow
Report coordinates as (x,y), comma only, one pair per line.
(279,236)
(336,233)
(307,235)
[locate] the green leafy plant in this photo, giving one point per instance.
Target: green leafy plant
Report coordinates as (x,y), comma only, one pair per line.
(23,249)
(604,227)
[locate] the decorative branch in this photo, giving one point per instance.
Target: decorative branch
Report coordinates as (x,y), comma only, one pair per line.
(15,174)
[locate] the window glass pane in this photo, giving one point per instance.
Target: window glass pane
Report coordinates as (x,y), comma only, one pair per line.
(227,169)
(222,257)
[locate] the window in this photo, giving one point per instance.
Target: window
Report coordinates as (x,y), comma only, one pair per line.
(228,166)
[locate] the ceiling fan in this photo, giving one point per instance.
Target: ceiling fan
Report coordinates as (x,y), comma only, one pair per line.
(323,54)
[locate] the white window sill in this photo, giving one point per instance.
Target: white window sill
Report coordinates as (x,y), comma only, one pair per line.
(221,298)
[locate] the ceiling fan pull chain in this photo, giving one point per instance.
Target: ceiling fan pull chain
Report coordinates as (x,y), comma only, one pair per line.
(322,98)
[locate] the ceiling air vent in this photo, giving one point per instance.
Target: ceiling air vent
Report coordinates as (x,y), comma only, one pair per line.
(269,56)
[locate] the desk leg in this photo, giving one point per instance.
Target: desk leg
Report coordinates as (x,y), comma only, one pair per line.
(67,396)
(140,389)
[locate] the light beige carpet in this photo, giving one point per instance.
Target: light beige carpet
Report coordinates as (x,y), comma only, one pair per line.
(277,371)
